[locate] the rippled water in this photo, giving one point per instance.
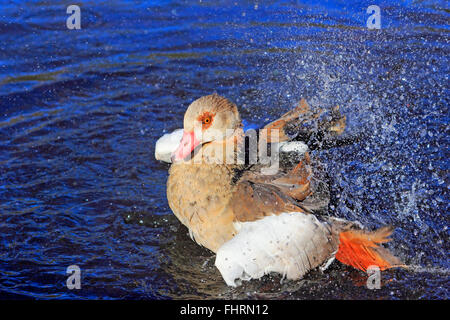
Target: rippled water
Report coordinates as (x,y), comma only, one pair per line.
(80,111)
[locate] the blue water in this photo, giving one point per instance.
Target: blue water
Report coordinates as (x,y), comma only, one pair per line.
(80,111)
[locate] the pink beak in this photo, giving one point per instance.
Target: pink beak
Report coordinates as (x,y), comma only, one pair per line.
(187,145)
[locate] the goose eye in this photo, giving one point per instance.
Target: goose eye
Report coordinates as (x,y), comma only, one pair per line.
(206,120)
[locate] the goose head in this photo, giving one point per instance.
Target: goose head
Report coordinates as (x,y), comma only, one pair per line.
(209,119)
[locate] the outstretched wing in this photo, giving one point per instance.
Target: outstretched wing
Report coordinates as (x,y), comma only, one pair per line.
(318,129)
(257,195)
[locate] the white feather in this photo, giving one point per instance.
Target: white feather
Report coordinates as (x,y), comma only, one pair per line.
(290,244)
(293,146)
(167,144)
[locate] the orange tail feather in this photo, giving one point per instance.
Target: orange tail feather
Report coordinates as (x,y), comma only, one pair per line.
(360,249)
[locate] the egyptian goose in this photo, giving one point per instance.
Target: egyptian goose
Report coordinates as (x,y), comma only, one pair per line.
(256,222)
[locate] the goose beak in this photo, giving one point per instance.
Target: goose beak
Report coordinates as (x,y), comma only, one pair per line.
(187,145)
